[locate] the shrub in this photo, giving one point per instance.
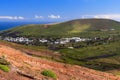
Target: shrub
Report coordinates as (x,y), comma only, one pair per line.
(4,68)
(4,62)
(49,73)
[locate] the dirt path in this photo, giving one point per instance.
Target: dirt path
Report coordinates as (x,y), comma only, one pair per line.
(33,66)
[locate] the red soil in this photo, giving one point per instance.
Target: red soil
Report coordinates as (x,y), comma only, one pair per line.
(20,62)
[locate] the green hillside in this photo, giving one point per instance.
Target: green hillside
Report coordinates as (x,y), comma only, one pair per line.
(80,27)
(103,57)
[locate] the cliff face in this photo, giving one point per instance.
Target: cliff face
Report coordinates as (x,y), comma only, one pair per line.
(24,67)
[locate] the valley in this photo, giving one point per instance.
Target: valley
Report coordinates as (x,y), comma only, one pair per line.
(84,44)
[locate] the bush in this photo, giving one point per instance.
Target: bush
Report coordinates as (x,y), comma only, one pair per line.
(49,73)
(4,62)
(4,68)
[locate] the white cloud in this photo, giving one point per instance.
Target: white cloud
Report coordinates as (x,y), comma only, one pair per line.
(109,16)
(105,16)
(20,17)
(12,17)
(54,16)
(38,17)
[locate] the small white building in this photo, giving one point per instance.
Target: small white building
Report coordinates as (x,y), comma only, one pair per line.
(43,40)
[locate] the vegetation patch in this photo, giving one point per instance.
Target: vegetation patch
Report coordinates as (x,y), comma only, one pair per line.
(5,68)
(3,61)
(4,64)
(49,73)
(118,73)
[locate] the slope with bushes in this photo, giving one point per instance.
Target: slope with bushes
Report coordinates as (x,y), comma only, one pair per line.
(30,68)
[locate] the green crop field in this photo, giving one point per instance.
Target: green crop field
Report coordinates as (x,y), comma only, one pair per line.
(96,57)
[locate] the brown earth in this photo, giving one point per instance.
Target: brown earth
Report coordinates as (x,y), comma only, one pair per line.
(44,53)
(25,67)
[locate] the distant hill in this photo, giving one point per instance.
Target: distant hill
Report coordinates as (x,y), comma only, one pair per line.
(79,27)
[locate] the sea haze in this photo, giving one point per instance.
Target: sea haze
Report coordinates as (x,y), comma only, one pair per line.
(8,25)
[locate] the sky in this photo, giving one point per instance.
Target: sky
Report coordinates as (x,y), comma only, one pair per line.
(58,10)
